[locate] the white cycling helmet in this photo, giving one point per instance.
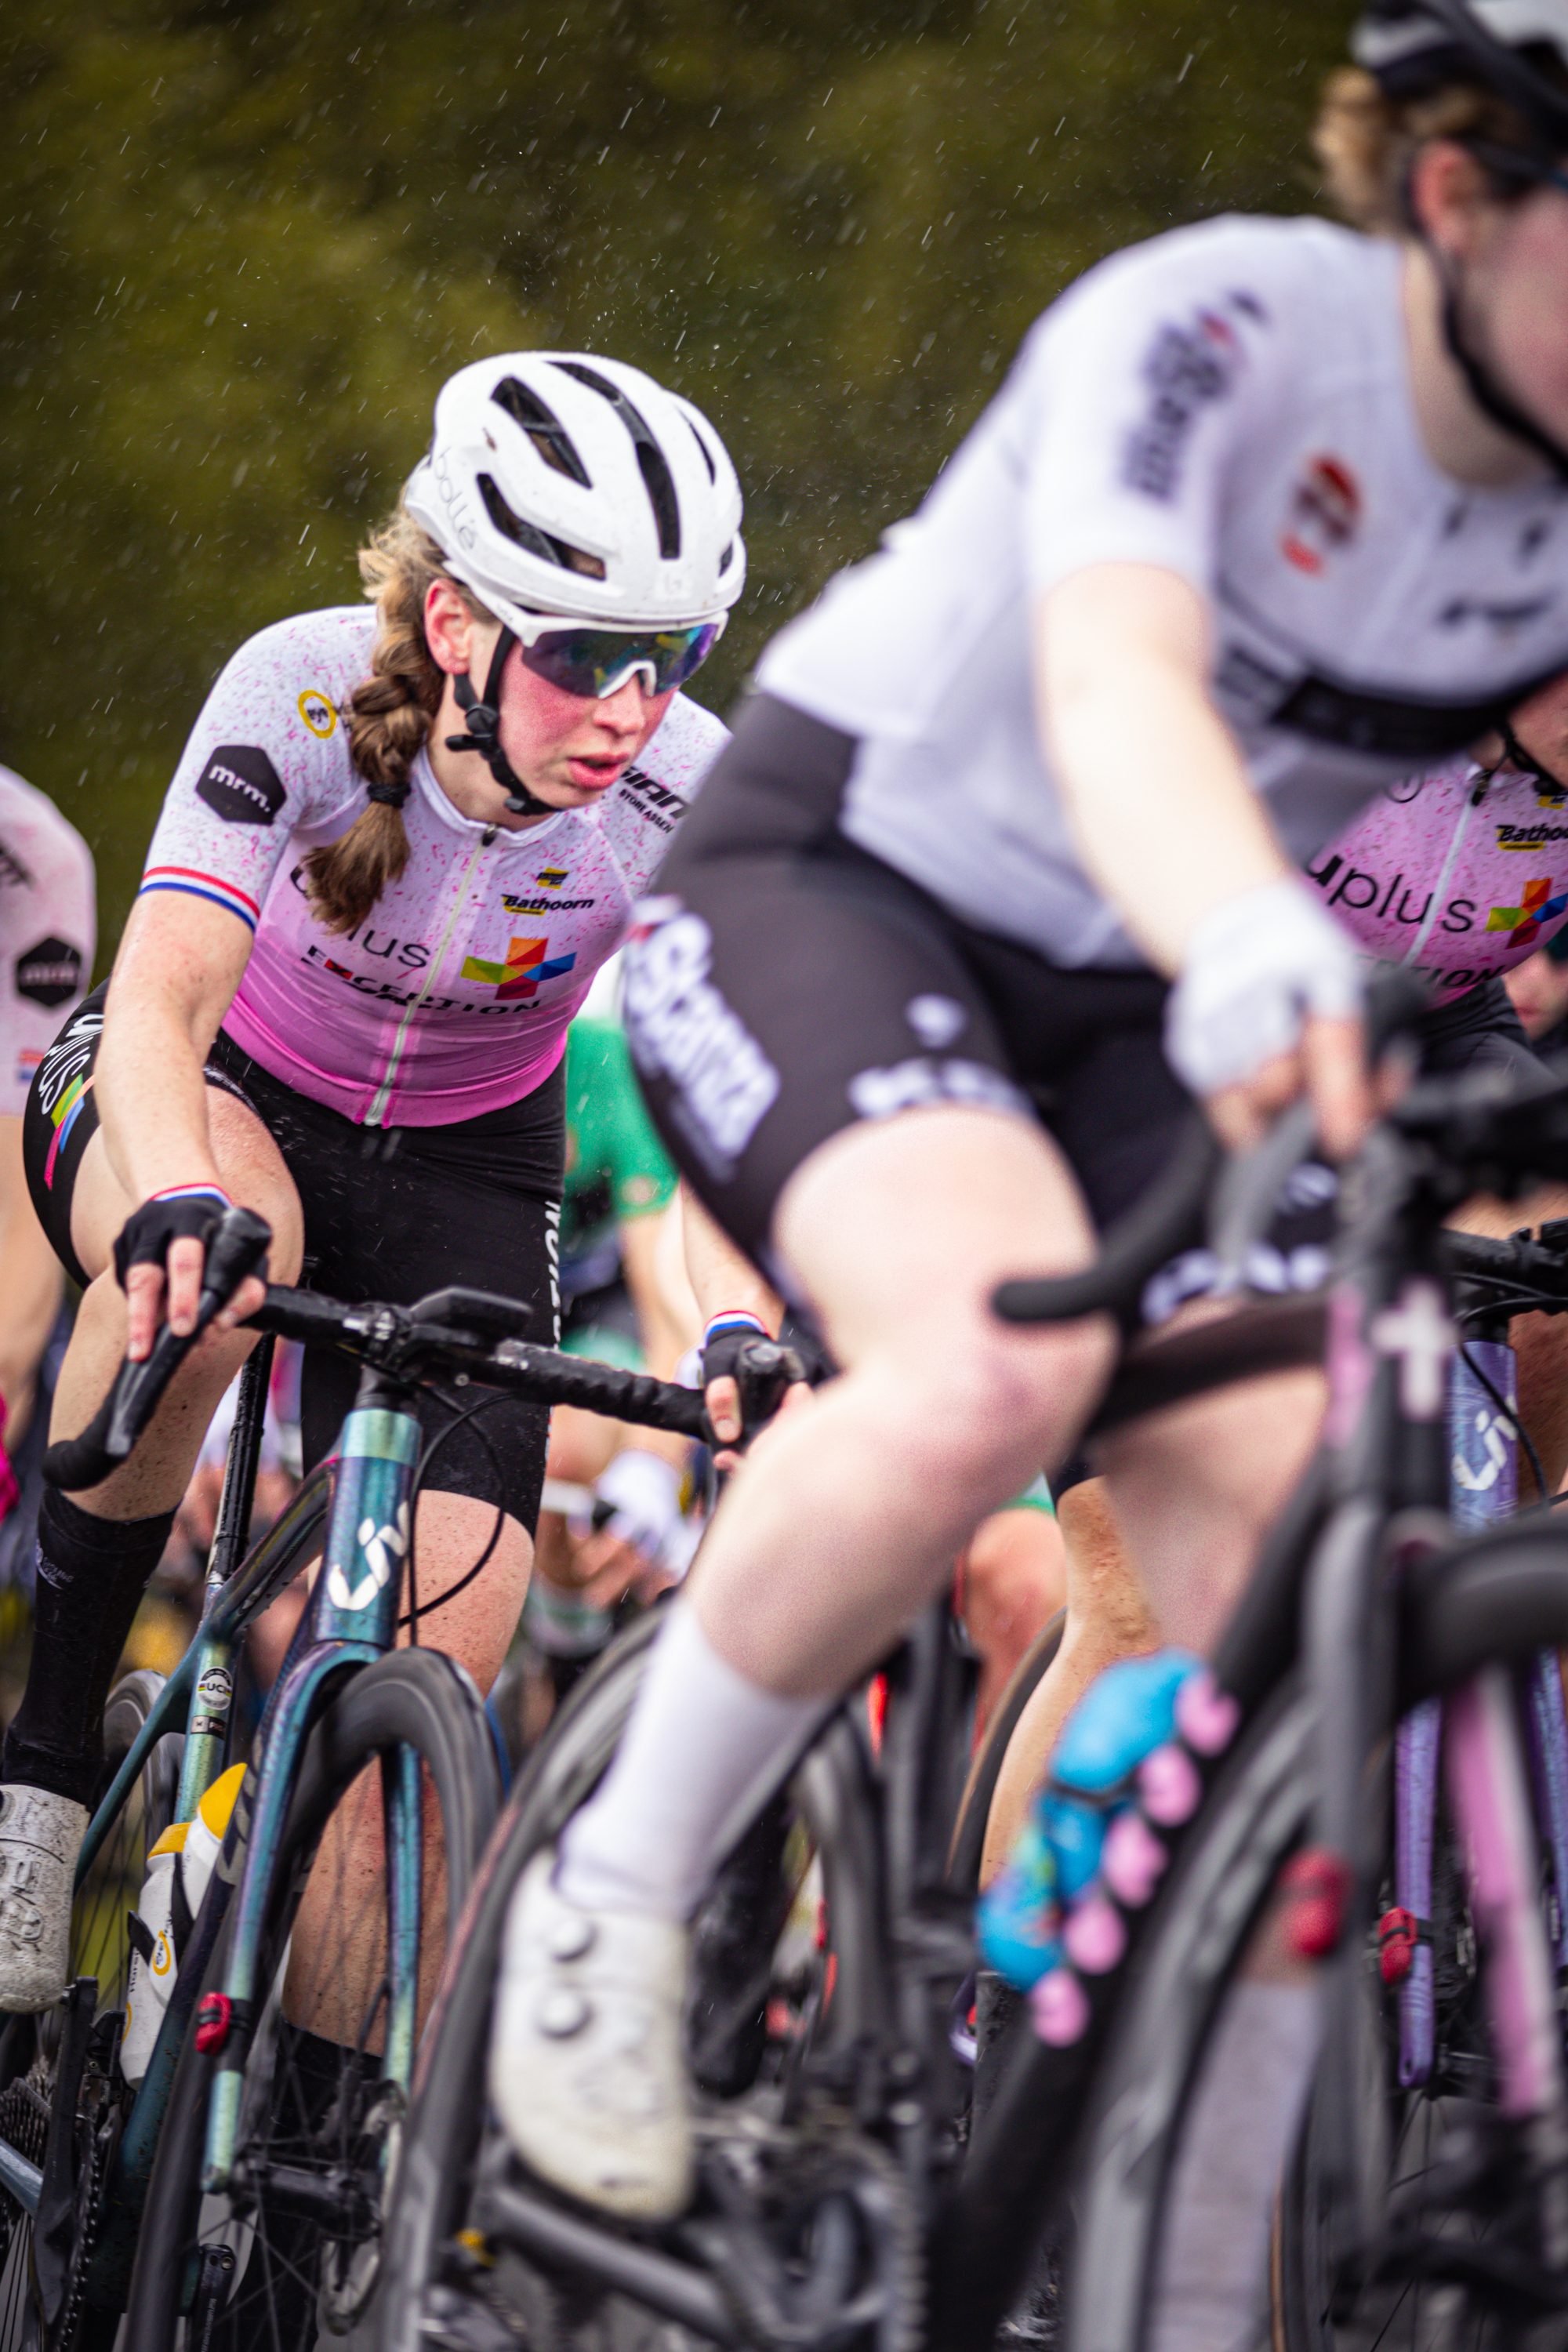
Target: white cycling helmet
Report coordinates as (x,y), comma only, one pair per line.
(558,482)
(1413,45)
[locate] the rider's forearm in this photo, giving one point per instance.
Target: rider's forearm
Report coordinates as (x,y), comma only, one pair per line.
(721,1276)
(1164,814)
(162,1016)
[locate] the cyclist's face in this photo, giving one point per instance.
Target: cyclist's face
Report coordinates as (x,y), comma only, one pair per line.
(567,748)
(1515,301)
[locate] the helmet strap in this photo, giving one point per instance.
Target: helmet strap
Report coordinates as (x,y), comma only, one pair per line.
(484,733)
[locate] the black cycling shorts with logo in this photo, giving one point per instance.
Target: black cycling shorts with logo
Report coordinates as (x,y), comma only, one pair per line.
(785,984)
(390,1213)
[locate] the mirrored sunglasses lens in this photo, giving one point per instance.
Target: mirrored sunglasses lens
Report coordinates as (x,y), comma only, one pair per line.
(593,663)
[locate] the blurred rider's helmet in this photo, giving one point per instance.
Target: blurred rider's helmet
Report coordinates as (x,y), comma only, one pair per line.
(558,482)
(1511,47)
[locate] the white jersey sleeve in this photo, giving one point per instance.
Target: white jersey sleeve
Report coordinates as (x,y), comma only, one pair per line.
(1151,375)
(266,759)
(48,930)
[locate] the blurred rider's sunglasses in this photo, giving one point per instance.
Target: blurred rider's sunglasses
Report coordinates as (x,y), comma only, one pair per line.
(596,662)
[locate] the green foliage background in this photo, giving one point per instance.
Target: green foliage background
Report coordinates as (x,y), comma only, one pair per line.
(242,241)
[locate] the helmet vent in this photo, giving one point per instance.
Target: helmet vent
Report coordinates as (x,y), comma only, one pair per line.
(537,542)
(546,432)
(707,457)
(651,460)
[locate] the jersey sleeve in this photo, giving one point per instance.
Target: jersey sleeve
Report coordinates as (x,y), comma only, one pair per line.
(647,805)
(48,930)
(267,757)
(1142,389)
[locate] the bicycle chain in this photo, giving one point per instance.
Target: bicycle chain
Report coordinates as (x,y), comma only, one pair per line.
(102,2132)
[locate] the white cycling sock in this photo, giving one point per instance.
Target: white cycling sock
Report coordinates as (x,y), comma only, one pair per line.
(699,1736)
(1215,2266)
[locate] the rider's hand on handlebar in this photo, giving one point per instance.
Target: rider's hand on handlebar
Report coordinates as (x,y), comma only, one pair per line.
(745,1381)
(1267,1007)
(157,1261)
(1328,1065)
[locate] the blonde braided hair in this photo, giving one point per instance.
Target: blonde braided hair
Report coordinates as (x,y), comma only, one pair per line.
(388,718)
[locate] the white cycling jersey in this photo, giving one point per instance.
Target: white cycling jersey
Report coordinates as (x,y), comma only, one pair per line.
(455,996)
(48,930)
(1230,402)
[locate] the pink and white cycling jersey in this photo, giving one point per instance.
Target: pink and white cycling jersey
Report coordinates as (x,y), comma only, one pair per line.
(454,998)
(49,911)
(1450,874)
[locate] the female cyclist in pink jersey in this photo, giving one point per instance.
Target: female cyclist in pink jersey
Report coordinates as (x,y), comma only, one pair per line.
(398,845)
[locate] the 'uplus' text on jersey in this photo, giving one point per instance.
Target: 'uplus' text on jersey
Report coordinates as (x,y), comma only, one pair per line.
(454,997)
(1450,874)
(1230,402)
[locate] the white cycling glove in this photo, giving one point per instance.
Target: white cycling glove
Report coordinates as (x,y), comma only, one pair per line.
(643,1491)
(1255,969)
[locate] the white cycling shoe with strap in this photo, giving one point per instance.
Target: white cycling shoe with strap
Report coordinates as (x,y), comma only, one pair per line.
(586,2068)
(40,1837)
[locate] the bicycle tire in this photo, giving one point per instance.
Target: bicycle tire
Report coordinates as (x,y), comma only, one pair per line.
(985,1769)
(1187,1956)
(29,2044)
(412,1699)
(448,2126)
(1406,2135)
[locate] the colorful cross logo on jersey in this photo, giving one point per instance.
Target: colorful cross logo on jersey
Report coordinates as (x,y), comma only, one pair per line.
(525,968)
(1527,921)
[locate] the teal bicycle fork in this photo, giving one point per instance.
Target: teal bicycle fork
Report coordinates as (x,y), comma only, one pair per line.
(352,1621)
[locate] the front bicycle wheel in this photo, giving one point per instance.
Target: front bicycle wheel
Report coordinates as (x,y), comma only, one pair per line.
(29,2045)
(1187,1961)
(295,2240)
(787,1969)
(1442,2273)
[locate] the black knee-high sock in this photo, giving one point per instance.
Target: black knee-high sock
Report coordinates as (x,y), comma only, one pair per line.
(91,1575)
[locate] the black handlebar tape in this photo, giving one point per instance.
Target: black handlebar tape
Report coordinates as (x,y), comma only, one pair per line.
(550,1377)
(547,1375)
(1168,1218)
(237,1247)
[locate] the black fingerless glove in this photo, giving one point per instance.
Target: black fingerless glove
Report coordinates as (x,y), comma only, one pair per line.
(736,1346)
(185,1209)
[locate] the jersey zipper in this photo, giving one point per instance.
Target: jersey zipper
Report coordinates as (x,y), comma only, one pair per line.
(376,1114)
(1471,802)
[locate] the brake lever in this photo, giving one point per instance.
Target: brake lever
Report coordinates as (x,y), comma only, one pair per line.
(1250,1184)
(764,1372)
(238,1246)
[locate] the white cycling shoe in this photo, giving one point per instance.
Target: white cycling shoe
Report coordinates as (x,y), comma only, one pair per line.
(585,2065)
(40,1837)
